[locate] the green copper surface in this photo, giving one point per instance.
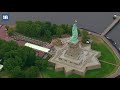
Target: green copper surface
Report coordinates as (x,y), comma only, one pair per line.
(74,38)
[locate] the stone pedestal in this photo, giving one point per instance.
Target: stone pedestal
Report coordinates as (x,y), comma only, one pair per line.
(73,50)
(75,59)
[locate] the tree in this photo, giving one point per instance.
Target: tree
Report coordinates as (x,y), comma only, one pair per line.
(59,31)
(11,54)
(30,56)
(42,30)
(12,45)
(16,59)
(69,30)
(8,65)
(6,47)
(47,35)
(17,72)
(11,63)
(32,72)
(41,64)
(84,35)
(10,31)
(37,30)
(27,55)
(48,25)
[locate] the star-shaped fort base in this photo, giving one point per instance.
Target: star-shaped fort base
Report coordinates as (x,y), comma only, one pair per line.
(87,60)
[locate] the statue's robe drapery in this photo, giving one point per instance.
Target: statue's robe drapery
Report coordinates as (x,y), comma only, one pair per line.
(74,38)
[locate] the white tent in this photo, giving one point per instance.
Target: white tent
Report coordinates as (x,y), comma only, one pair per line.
(36,47)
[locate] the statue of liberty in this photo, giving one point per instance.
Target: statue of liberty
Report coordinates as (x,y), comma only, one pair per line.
(73,50)
(74,38)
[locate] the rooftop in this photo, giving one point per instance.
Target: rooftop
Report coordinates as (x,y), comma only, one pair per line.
(36,47)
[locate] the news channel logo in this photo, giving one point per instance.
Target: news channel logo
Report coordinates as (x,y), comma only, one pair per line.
(5,17)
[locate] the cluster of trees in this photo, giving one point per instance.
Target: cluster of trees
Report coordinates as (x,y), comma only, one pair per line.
(85,36)
(42,30)
(10,31)
(20,61)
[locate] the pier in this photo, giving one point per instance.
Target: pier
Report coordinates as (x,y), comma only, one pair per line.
(111,26)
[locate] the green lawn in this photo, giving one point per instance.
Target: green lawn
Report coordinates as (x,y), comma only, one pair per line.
(53,74)
(106,52)
(105,69)
(3,74)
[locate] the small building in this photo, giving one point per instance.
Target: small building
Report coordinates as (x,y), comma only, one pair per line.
(38,48)
(40,51)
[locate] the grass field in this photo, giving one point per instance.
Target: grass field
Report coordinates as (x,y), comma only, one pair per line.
(106,52)
(53,74)
(105,70)
(4,75)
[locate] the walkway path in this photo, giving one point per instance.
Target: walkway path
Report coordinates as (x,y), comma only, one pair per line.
(3,34)
(117,73)
(109,63)
(20,37)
